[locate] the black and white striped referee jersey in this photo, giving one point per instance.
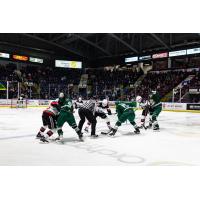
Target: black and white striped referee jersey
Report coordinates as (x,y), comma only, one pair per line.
(89,105)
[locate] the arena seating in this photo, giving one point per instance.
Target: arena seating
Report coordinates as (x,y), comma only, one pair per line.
(193,84)
(113,84)
(116,83)
(164,82)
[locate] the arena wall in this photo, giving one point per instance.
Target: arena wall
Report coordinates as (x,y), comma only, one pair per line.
(167,106)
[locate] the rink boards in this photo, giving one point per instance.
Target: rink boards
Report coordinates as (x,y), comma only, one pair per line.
(167,106)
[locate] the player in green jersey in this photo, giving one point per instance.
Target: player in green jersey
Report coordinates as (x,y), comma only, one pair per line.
(66,115)
(155,109)
(125,111)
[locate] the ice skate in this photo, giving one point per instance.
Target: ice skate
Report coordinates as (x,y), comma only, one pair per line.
(39,136)
(59,139)
(44,140)
(137,130)
(113,131)
(80,136)
(149,126)
(142,126)
(94,136)
(156,127)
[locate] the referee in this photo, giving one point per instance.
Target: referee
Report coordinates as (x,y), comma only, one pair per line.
(87,110)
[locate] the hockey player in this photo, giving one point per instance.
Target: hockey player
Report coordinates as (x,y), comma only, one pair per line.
(105,105)
(80,100)
(145,105)
(125,111)
(99,112)
(49,117)
(155,108)
(66,115)
(78,103)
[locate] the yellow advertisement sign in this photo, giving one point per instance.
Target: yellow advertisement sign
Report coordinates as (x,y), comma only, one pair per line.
(68,64)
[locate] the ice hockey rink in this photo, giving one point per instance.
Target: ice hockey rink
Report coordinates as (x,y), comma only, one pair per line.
(177,143)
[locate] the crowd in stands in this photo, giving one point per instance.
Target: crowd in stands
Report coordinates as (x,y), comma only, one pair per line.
(113,83)
(46,83)
(38,82)
(163,82)
(160,65)
(194,84)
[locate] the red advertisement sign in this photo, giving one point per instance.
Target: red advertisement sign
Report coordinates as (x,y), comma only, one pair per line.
(160,55)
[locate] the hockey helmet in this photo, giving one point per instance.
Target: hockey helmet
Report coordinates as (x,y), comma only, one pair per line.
(105,102)
(138,99)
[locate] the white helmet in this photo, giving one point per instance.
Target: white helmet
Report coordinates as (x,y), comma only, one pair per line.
(61,95)
(79,99)
(138,99)
(105,102)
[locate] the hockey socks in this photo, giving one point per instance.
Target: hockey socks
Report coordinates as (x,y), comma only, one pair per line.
(46,135)
(41,131)
(78,131)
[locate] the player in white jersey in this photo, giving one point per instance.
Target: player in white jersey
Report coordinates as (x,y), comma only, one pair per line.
(145,105)
(105,105)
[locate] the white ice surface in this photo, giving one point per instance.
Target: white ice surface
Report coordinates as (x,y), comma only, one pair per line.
(177,143)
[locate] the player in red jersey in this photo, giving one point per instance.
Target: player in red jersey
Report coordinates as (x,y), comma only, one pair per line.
(49,117)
